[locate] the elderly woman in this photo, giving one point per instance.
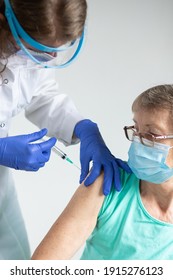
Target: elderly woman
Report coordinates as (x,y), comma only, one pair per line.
(137,222)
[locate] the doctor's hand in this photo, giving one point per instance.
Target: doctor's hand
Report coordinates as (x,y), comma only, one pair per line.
(20,152)
(93,148)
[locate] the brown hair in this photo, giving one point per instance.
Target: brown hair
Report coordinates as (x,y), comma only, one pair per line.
(158,97)
(45,21)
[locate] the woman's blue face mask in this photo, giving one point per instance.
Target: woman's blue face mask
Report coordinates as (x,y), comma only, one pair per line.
(149,163)
(65,54)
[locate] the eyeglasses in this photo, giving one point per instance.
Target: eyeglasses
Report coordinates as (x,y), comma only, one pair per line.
(147,139)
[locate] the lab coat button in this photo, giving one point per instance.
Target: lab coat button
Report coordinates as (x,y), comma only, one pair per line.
(2,125)
(5,81)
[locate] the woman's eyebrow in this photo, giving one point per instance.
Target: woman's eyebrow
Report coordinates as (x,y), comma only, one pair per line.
(153,126)
(159,129)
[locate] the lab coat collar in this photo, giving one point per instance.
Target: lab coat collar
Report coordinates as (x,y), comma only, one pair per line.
(6,75)
(18,61)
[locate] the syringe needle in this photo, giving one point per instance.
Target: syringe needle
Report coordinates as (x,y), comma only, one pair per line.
(76,166)
(60,153)
(69,160)
(63,155)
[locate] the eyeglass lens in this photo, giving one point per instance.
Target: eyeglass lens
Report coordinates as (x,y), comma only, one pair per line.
(146,139)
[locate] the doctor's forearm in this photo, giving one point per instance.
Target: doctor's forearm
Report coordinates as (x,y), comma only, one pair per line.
(74,225)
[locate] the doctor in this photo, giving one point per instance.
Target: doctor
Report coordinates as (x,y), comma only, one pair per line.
(35,35)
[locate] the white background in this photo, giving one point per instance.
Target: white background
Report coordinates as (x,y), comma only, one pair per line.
(129,48)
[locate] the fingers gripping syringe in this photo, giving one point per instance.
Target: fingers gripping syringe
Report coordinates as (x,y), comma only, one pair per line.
(61,154)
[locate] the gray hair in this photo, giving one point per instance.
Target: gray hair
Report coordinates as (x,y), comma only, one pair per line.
(155,98)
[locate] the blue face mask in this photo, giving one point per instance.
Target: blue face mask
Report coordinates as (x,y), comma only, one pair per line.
(149,163)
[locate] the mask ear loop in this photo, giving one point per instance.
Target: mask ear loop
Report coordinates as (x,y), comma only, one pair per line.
(14,26)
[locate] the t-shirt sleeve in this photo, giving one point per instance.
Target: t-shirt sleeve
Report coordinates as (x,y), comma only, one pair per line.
(114,197)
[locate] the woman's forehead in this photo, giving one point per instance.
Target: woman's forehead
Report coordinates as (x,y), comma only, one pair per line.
(158,117)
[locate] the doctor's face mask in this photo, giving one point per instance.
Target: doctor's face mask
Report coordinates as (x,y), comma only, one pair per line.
(43,55)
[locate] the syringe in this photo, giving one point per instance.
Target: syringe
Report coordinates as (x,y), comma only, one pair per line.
(63,155)
(60,153)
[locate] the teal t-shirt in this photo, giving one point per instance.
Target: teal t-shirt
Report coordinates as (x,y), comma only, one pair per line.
(126,231)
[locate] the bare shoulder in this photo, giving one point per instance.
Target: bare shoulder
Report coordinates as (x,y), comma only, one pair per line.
(94,190)
(90,198)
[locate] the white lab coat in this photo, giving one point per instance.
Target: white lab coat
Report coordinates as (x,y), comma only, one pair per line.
(22,86)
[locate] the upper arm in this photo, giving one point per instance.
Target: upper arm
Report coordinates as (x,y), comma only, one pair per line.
(74,225)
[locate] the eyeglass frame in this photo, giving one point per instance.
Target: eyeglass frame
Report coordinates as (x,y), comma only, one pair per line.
(159,137)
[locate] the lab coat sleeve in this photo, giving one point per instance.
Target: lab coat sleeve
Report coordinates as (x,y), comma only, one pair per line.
(52,110)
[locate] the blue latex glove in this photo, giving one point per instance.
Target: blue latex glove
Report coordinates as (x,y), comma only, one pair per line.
(19,152)
(93,148)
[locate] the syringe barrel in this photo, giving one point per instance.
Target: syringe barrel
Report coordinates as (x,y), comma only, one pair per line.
(59,152)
